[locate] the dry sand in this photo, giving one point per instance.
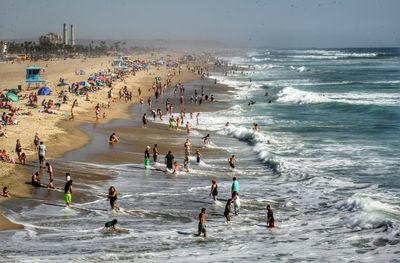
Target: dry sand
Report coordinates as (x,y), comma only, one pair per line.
(57,132)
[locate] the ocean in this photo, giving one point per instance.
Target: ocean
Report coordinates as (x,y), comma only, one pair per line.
(326,159)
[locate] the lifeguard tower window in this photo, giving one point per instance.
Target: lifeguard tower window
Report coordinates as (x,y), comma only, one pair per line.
(35,76)
(33,71)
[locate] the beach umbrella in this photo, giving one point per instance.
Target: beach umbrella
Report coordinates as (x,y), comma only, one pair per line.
(15,91)
(12,96)
(44,91)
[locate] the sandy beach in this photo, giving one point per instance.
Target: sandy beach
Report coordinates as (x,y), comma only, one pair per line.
(58,133)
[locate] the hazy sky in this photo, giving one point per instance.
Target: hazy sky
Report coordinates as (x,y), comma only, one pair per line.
(273,23)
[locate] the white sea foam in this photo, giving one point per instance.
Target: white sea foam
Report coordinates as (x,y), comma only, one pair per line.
(293,95)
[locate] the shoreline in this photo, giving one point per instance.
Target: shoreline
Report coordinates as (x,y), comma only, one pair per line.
(71,137)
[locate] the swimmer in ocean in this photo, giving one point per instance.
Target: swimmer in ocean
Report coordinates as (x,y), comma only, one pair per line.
(232,161)
(114,137)
(110,225)
(112,196)
(270,217)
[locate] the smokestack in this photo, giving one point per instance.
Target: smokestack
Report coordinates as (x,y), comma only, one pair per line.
(65,40)
(72,35)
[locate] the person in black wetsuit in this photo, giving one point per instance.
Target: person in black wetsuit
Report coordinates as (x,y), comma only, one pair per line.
(169,160)
(214,189)
(112,196)
(111,224)
(270,217)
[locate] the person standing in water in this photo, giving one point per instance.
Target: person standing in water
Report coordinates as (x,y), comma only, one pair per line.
(147,157)
(232,161)
(68,193)
(214,189)
(236,202)
(206,139)
(112,196)
(198,156)
(202,223)
(42,154)
(227,212)
(144,120)
(235,185)
(270,217)
(169,160)
(155,153)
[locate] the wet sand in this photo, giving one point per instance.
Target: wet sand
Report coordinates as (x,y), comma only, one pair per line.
(64,136)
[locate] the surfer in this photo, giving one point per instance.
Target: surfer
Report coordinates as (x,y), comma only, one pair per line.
(227,211)
(202,223)
(232,161)
(214,189)
(68,193)
(110,225)
(270,217)
(112,196)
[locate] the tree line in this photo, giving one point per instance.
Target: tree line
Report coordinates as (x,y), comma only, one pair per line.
(47,50)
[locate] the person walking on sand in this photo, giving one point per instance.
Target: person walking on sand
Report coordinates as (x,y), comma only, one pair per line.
(214,189)
(97,110)
(36,141)
(202,223)
(270,217)
(74,104)
(68,193)
(112,196)
(18,150)
(42,154)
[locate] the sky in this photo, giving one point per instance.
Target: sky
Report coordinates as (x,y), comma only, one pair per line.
(236,23)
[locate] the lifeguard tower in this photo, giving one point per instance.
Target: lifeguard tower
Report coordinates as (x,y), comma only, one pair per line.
(35,76)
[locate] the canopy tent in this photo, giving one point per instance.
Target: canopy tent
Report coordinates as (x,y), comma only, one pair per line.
(12,96)
(84,83)
(44,91)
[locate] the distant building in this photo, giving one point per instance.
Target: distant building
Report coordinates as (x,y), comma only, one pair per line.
(50,38)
